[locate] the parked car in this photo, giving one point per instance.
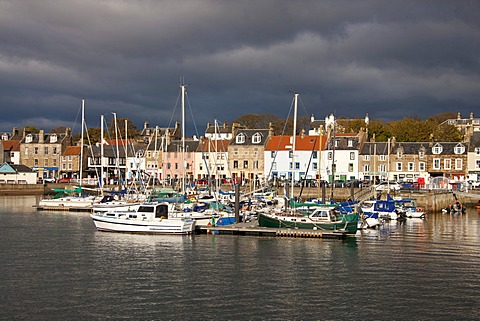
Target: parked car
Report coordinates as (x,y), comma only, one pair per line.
(383,186)
(474,184)
(64,180)
(339,183)
(354,182)
(49,180)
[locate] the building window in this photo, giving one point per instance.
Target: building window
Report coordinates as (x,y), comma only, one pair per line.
(35,162)
(399,166)
(70,166)
(437,149)
(436,163)
(45,163)
(421,154)
(315,166)
(459,149)
(54,150)
(235,164)
(366,168)
(382,168)
(256,138)
(169,166)
(399,153)
(26,151)
(274,165)
(350,167)
(235,151)
(447,163)
(45,150)
(350,143)
(477,150)
(314,154)
(411,166)
(240,139)
(297,165)
(35,150)
(28,138)
(421,166)
(255,164)
(64,166)
(330,155)
(366,157)
(458,163)
(245,164)
(352,155)
(272,154)
(382,157)
(290,154)
(477,163)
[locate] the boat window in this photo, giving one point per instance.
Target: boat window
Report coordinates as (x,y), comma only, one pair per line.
(146,209)
(161,211)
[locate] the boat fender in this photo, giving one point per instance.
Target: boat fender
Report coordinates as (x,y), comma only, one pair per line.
(419,209)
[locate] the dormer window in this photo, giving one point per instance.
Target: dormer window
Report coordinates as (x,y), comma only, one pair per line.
(459,149)
(399,153)
(5,137)
(256,138)
(350,143)
(477,150)
(437,149)
(240,139)
(421,153)
(28,138)
(53,138)
(139,154)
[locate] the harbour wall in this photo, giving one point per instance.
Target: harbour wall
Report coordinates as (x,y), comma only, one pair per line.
(22,189)
(429,200)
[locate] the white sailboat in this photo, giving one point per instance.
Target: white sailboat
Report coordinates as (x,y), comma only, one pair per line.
(78,202)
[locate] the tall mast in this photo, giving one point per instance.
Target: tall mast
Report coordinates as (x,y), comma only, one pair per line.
(81,141)
(294,143)
(183,137)
(117,159)
(101,152)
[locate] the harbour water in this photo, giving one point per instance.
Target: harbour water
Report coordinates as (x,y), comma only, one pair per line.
(56,266)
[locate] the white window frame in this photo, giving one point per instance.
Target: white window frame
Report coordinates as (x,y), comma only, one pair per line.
(447,164)
(459,149)
(458,163)
(421,166)
(437,149)
(240,139)
(436,163)
(411,166)
(256,138)
(399,166)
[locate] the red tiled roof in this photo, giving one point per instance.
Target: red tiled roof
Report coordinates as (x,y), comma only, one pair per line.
(72,151)
(11,145)
(302,143)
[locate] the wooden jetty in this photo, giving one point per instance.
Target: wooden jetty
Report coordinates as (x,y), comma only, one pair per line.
(64,209)
(251,229)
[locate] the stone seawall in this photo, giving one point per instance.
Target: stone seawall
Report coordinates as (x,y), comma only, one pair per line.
(22,189)
(429,200)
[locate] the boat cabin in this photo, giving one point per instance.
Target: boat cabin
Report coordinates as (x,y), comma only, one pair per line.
(157,210)
(324,214)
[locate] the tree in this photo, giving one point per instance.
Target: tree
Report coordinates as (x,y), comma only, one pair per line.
(31,129)
(58,130)
(256,121)
(132,130)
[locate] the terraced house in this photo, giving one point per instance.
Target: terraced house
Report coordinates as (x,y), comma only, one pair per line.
(41,151)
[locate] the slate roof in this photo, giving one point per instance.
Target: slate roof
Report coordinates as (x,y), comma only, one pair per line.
(249,133)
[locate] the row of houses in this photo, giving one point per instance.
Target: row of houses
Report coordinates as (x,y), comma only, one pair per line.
(233,152)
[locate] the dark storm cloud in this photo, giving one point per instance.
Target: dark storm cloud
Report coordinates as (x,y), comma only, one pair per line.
(391,59)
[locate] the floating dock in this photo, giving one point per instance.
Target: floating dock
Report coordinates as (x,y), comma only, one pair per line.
(64,209)
(251,229)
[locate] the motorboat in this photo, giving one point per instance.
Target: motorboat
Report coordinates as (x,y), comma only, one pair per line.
(150,218)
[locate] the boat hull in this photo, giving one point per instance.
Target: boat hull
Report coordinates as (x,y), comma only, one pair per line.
(160,226)
(348,224)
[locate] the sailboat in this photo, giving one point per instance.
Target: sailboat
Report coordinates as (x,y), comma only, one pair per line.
(70,199)
(324,217)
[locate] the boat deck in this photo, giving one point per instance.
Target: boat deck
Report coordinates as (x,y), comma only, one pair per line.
(64,209)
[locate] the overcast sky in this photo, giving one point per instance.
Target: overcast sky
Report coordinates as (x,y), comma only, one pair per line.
(390,59)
